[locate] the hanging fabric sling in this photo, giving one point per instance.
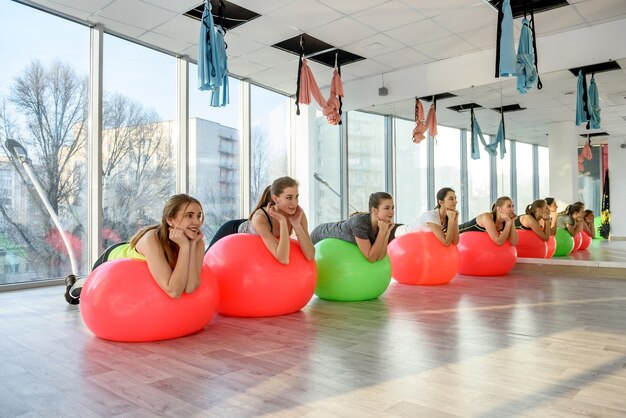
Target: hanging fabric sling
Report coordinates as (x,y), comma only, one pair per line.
(582,113)
(525,69)
(593,104)
(505,46)
(420,123)
(212,59)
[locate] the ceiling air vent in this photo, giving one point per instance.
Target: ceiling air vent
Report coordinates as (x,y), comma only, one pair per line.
(464,107)
(317,50)
(518,6)
(234,15)
(596,68)
(509,108)
(438,97)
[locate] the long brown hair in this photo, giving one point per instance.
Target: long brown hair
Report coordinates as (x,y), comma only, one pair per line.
(573,208)
(499,202)
(277,187)
(537,204)
(441,195)
(172,207)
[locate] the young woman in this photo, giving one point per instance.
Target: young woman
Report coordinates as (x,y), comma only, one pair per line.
(276,216)
(552,207)
(588,225)
(173,249)
(499,223)
(537,219)
(572,218)
(443,221)
(370,231)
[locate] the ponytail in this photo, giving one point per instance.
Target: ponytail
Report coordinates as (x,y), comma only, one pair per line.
(277,187)
(264,200)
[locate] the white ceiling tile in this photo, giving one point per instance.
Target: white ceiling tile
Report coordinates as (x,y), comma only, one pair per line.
(128,11)
(265,30)
(445,48)
(601,10)
(402,58)
(481,38)
(169,44)
(192,53)
(238,45)
(366,68)
(243,68)
(471,18)
(86,5)
(305,14)
(270,57)
(388,16)
(178,6)
(437,7)
(342,32)
(118,27)
(557,20)
(181,27)
(376,45)
(260,7)
(81,12)
(350,6)
(419,32)
(272,76)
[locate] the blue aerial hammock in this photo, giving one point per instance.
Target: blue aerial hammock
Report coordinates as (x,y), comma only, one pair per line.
(593,104)
(212,59)
(526,71)
(476,134)
(582,112)
(505,46)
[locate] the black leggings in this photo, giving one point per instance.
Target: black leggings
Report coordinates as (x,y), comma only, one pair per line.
(104,257)
(229,228)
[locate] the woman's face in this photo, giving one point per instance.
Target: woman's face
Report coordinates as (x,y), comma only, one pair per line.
(189,218)
(506,207)
(579,214)
(385,210)
(287,201)
(449,201)
(542,212)
(553,207)
(589,218)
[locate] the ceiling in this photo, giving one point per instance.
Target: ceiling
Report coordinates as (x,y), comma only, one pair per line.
(393,36)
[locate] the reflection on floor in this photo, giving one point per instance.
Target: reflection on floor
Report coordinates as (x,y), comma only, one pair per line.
(521,345)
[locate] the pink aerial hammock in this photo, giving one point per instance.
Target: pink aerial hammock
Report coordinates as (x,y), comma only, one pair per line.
(585,154)
(423,125)
(307,86)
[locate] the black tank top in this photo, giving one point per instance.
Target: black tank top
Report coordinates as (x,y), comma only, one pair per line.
(519,225)
(472,225)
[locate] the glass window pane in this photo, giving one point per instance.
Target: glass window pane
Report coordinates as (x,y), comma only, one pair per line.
(525,175)
(478,183)
(366,161)
(138,142)
(544,172)
(269,139)
(504,171)
(411,173)
(326,155)
(214,160)
(46,57)
(448,159)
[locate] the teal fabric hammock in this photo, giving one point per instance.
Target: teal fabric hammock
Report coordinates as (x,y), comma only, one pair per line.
(212,59)
(491,148)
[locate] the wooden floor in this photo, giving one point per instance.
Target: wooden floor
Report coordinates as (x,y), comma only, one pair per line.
(521,345)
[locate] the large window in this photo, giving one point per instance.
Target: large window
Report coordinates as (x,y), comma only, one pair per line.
(478,183)
(525,175)
(366,158)
(448,160)
(214,161)
(411,173)
(544,172)
(504,172)
(326,157)
(138,147)
(269,139)
(47,58)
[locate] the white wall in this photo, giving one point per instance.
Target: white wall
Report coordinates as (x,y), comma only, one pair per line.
(617,181)
(562,144)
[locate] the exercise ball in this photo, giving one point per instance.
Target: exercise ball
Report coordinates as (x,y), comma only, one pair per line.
(530,245)
(480,256)
(564,242)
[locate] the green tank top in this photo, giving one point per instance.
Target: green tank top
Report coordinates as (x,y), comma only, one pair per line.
(125,251)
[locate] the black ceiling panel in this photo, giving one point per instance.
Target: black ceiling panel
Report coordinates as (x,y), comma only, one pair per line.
(596,68)
(317,50)
(464,107)
(518,6)
(234,15)
(509,108)
(437,97)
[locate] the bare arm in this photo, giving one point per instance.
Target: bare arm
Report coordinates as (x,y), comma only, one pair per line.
(576,228)
(196,256)
(301,230)
(373,251)
(172,282)
(512,231)
(532,223)
(553,219)
(486,222)
(278,247)
(590,229)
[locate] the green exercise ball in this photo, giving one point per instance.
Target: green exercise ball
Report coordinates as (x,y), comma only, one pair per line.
(564,242)
(344,274)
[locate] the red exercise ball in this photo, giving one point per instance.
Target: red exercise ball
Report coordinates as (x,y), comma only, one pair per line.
(551,246)
(480,256)
(586,241)
(120,301)
(253,283)
(419,258)
(530,245)
(578,240)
